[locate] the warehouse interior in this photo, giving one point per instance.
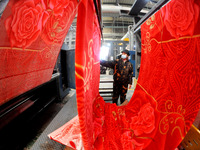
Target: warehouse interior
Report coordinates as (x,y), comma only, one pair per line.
(43,109)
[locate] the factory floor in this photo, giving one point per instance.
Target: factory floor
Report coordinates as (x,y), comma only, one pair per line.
(68,111)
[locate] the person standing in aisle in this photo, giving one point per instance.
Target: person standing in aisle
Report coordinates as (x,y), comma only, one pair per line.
(123,73)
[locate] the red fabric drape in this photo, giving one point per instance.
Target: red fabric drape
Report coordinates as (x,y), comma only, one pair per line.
(87,68)
(167,97)
(32,33)
(170,69)
(87,73)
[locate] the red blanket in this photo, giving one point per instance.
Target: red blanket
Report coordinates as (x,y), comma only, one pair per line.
(31,33)
(167,97)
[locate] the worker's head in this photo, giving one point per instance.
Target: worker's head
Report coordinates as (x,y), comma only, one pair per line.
(125,54)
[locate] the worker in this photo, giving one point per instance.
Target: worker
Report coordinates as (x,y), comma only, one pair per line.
(123,72)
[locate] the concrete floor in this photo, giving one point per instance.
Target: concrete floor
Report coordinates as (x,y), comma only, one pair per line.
(68,112)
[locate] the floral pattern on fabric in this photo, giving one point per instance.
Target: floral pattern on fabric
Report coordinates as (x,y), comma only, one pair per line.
(144,122)
(167,96)
(26,22)
(59,21)
(32,32)
(129,143)
(180,17)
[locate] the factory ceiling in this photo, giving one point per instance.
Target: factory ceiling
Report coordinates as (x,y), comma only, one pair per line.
(117,15)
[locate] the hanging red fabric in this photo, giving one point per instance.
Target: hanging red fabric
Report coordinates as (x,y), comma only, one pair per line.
(32,33)
(167,97)
(87,68)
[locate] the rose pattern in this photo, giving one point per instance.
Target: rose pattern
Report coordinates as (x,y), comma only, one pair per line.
(58,23)
(144,122)
(25,24)
(180,17)
(129,143)
(32,18)
(58,6)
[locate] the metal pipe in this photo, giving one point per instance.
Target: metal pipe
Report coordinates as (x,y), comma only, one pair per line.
(153,10)
(3,4)
(138,6)
(98,16)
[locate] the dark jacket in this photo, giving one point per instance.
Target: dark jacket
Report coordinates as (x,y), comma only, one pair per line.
(123,72)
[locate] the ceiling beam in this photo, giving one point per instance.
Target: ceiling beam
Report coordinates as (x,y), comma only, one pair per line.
(98,15)
(154,1)
(137,7)
(117,2)
(122,4)
(3,4)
